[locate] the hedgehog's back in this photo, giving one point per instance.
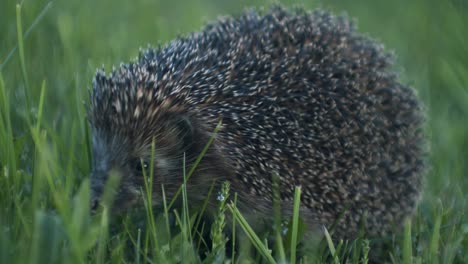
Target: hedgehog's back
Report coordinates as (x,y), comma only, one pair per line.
(305,96)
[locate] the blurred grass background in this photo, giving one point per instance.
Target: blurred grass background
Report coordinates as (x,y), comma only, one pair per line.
(73,38)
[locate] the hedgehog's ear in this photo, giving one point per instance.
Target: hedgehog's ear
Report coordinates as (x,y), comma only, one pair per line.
(186,131)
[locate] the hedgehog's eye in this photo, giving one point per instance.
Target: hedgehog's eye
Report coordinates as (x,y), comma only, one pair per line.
(141,165)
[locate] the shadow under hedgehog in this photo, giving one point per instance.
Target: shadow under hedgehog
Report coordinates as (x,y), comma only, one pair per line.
(300,94)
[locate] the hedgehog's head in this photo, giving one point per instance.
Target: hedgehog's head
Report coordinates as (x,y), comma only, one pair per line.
(128,113)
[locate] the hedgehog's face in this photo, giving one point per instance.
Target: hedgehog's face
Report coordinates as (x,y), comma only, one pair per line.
(129,110)
(127,153)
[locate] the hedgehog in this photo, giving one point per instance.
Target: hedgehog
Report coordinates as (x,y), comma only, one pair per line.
(295,93)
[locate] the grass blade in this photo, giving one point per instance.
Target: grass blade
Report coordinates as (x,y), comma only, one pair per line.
(197,161)
(19,29)
(277,218)
(407,244)
(262,248)
(295,223)
(40,107)
(331,247)
(434,245)
(26,34)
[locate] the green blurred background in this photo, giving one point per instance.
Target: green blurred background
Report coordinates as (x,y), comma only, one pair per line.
(73,38)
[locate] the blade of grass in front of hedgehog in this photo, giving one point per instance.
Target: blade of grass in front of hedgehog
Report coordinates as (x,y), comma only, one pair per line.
(185,210)
(166,218)
(138,247)
(148,198)
(233,234)
(187,253)
(107,201)
(197,161)
(103,236)
(256,241)
(39,138)
(136,241)
(201,212)
(277,218)
(407,246)
(365,251)
(218,239)
(341,249)
(359,242)
(87,143)
(435,237)
(295,223)
(46,239)
(201,240)
(331,246)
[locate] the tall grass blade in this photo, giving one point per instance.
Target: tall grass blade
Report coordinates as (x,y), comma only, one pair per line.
(256,241)
(295,223)
(434,245)
(197,161)
(19,28)
(26,34)
(277,219)
(40,106)
(331,246)
(365,251)
(407,244)
(8,151)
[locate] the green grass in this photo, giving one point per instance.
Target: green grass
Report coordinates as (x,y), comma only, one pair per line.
(49,52)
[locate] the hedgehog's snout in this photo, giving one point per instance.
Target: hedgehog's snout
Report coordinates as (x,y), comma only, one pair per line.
(94,204)
(97,186)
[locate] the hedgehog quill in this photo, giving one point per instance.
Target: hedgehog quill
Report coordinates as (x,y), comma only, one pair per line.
(300,94)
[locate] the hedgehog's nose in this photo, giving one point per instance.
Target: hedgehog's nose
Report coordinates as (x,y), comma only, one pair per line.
(96,191)
(94,204)
(95,199)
